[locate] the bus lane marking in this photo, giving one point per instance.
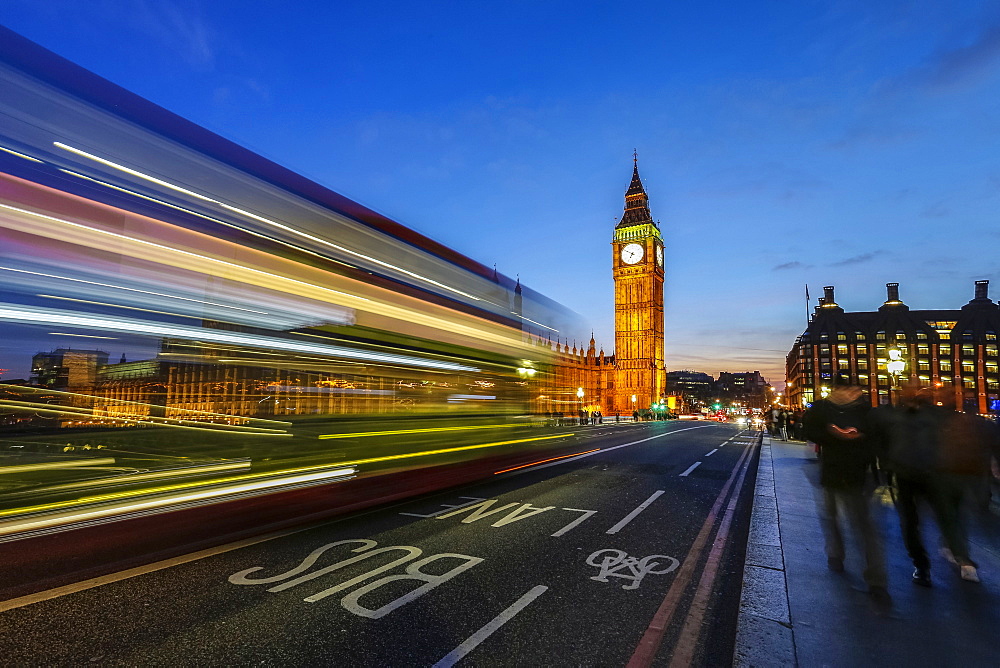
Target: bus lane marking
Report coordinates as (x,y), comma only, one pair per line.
(351,601)
(474,499)
(478,508)
(486,631)
(617,564)
(632,515)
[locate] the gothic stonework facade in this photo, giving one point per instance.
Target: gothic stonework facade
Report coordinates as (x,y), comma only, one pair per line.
(638,273)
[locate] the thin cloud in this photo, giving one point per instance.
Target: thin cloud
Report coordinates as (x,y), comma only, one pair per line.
(962,65)
(858,259)
(791,265)
(179,28)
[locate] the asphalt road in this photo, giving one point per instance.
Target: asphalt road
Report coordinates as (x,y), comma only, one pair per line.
(578,562)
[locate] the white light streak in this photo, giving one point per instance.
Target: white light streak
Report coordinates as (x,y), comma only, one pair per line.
(133,172)
(18,154)
(131,308)
(169,249)
(201,215)
(15,313)
(82,336)
(122,287)
(261,219)
(34,524)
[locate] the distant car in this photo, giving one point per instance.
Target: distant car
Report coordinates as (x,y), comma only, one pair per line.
(688,416)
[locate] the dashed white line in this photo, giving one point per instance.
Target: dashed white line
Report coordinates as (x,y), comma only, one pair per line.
(485,632)
(689,469)
(601,451)
(631,516)
(572,525)
(712,452)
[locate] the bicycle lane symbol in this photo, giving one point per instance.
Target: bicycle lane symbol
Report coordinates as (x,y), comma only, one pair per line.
(618,564)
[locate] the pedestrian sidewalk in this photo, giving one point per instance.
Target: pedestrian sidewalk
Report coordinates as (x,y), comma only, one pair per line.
(796,612)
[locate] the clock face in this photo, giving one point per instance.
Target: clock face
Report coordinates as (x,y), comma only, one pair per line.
(659,255)
(631,253)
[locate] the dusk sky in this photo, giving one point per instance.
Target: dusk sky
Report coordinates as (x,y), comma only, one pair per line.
(781,143)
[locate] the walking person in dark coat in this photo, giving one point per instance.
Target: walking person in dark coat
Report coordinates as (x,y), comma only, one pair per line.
(913,438)
(839,425)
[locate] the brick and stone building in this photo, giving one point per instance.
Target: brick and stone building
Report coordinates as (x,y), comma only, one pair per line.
(951,350)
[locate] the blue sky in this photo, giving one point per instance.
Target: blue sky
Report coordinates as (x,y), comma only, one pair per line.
(828,143)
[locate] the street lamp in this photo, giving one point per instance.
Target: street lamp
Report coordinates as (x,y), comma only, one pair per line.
(579,395)
(895,366)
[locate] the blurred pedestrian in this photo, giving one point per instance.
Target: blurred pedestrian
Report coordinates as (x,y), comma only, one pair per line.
(924,445)
(840,427)
(796,428)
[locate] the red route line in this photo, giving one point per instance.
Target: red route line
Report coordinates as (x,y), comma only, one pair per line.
(545,460)
(645,651)
(687,644)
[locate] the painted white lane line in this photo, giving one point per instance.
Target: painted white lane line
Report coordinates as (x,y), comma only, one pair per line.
(482,634)
(587,514)
(712,452)
(690,468)
(602,451)
(631,516)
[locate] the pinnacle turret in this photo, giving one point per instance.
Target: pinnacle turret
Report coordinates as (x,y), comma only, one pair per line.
(636,200)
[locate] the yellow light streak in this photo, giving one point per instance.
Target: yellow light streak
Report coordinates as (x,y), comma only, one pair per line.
(72,463)
(81,414)
(211,266)
(416,431)
(122,287)
(177,251)
(130,478)
(344,249)
(51,316)
(261,219)
(132,493)
(122,402)
(34,524)
(427,453)
(131,308)
(206,217)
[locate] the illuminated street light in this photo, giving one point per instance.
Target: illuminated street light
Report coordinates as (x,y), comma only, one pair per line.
(895,366)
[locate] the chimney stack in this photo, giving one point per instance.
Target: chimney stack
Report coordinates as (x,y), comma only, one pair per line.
(982,289)
(828,295)
(892,290)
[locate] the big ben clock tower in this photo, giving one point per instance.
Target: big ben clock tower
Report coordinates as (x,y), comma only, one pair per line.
(638,274)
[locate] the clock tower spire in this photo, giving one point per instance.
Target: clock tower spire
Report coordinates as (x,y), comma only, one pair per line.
(637,266)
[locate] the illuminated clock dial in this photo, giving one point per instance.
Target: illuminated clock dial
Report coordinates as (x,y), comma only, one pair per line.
(659,255)
(631,253)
